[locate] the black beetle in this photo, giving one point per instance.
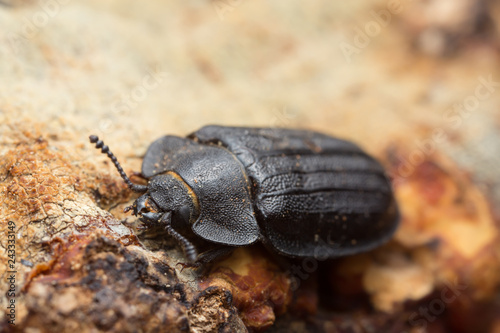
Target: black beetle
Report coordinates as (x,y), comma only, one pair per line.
(301,193)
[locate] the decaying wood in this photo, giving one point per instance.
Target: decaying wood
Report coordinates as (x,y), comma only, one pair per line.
(83,269)
(83,266)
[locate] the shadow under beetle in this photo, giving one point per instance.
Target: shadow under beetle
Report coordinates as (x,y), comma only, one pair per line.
(301,193)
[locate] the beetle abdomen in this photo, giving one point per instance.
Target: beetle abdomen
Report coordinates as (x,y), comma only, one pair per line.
(314,194)
(323,203)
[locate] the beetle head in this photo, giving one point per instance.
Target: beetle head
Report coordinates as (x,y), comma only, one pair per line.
(166,193)
(146,208)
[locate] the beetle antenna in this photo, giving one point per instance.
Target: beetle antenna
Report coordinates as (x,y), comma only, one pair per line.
(105,150)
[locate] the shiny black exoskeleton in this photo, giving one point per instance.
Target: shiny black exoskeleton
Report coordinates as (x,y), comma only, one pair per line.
(301,193)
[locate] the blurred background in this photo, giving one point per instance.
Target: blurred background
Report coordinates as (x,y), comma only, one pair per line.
(374,72)
(405,79)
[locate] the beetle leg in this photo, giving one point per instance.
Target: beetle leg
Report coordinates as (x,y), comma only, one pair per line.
(187,246)
(208,257)
(215,254)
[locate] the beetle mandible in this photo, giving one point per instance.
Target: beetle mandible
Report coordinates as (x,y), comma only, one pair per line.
(299,192)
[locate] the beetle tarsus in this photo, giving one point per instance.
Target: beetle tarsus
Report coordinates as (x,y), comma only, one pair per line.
(194,265)
(207,257)
(99,144)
